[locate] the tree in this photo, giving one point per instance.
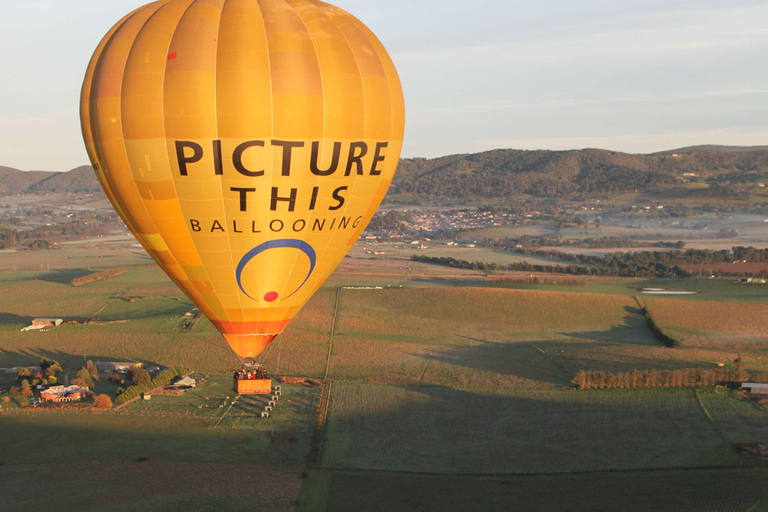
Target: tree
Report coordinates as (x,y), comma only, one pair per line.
(79,382)
(580,380)
(737,362)
(141,377)
(597,223)
(93,370)
(54,370)
(84,375)
(23,372)
(102,401)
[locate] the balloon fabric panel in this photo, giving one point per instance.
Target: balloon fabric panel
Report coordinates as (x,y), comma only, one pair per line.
(246,144)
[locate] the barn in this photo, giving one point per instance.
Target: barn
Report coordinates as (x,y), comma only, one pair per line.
(759,388)
(47,322)
(114,366)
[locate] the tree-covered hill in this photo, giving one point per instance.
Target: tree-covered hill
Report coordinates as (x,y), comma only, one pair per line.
(502,173)
(14,181)
(505,172)
(80,180)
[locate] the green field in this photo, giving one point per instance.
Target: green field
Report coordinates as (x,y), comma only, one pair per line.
(435,376)
(441,430)
(679,491)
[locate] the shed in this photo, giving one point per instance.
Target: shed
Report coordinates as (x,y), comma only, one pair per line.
(760,388)
(114,366)
(47,322)
(187,382)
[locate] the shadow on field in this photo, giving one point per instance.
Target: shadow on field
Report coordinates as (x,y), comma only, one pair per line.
(31,357)
(449,430)
(442,282)
(144,309)
(520,360)
(63,276)
(153,463)
(11,319)
(633,330)
(678,491)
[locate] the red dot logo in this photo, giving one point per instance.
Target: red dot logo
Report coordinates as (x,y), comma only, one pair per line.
(271,297)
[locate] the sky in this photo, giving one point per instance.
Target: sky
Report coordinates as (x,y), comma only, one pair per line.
(631,75)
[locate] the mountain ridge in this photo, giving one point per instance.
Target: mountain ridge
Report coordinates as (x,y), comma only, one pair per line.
(497,173)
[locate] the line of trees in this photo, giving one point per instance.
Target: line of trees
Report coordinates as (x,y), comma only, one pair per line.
(688,377)
(98,276)
(617,264)
(160,380)
(506,281)
(11,238)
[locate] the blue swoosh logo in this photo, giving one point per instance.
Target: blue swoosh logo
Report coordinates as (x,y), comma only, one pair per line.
(286,243)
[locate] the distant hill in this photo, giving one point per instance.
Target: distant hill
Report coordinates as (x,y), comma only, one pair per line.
(500,173)
(14,181)
(505,172)
(77,181)
(80,180)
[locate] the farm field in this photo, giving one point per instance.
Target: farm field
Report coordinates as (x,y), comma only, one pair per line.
(151,461)
(679,491)
(441,430)
(435,374)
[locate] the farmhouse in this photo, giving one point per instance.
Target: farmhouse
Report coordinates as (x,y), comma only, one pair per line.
(47,322)
(64,394)
(759,388)
(113,366)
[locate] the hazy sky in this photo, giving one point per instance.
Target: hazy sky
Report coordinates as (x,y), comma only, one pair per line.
(628,75)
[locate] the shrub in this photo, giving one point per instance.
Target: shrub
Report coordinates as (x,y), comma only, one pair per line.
(102,401)
(6,399)
(23,402)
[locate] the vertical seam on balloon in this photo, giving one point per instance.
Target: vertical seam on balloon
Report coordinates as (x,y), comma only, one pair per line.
(90,107)
(221,178)
(135,230)
(371,38)
(365,122)
(365,110)
(272,322)
(173,184)
(271,151)
(325,113)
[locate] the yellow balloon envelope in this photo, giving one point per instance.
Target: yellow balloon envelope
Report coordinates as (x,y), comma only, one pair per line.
(246,144)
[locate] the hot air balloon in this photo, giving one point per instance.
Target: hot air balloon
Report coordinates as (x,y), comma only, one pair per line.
(246,144)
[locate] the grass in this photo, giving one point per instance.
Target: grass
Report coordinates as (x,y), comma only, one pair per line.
(441,430)
(151,485)
(679,491)
(717,320)
(445,315)
(444,375)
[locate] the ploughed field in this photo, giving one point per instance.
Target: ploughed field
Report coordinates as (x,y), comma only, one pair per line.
(426,382)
